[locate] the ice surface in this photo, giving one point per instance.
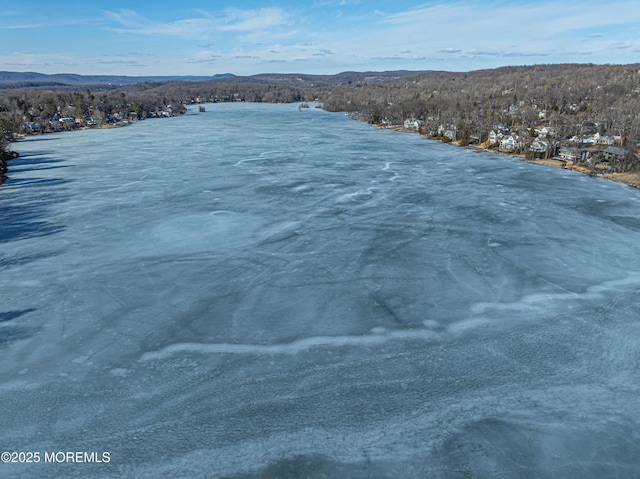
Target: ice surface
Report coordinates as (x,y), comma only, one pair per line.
(258,291)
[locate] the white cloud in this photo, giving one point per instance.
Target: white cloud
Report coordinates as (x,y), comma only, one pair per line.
(511,54)
(473,51)
(457,34)
(483,32)
(230,20)
(22,27)
(251,20)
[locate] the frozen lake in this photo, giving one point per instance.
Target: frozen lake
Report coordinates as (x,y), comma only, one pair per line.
(262,292)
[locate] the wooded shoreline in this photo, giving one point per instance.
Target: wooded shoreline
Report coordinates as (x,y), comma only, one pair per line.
(4,164)
(8,155)
(631,179)
(583,115)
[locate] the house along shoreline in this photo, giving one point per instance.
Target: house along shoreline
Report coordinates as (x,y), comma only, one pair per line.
(631,179)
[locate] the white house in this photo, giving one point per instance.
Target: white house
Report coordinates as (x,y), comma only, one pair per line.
(539,146)
(604,139)
(510,143)
(494,136)
(413,124)
(571,154)
(451,134)
(546,131)
(449,131)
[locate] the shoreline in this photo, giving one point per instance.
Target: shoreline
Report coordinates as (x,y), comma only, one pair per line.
(4,164)
(11,154)
(630,179)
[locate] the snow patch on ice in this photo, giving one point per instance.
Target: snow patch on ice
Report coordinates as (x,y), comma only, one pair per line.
(352,196)
(379,336)
(388,164)
(543,301)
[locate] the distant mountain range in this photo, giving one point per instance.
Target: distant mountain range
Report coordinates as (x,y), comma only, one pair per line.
(344,78)
(36,79)
(16,80)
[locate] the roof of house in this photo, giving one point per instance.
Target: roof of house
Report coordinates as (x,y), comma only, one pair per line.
(614,150)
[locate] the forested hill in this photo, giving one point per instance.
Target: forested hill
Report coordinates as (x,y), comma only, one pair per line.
(510,94)
(66,81)
(574,99)
(344,78)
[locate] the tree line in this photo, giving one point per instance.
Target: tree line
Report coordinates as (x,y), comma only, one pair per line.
(565,96)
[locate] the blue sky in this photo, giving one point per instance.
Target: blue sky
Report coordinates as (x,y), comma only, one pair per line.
(192,37)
